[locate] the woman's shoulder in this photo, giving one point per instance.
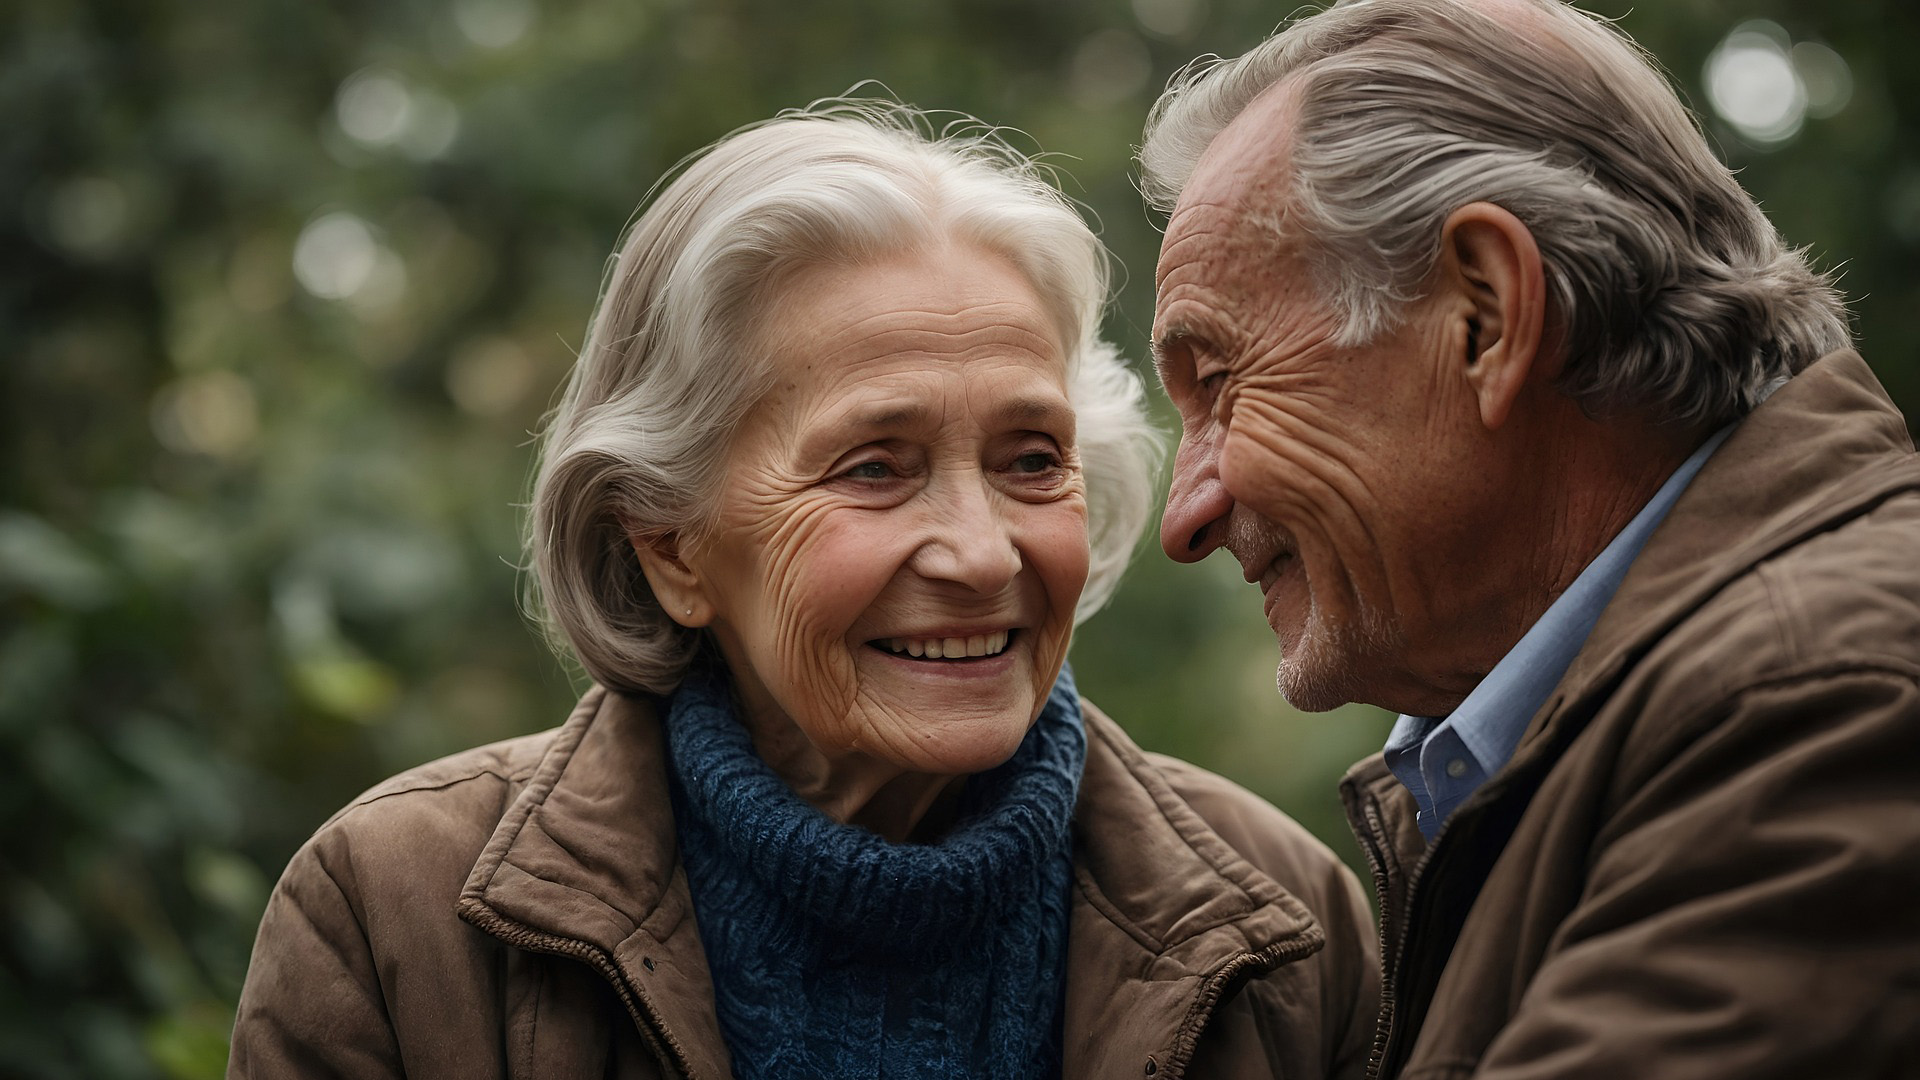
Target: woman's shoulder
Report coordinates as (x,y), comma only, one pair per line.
(361,938)
(472,786)
(1254,828)
(414,834)
(477,781)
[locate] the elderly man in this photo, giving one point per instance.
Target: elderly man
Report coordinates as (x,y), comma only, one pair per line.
(1530,428)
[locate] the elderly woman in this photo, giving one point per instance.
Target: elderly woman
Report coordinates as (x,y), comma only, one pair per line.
(841,465)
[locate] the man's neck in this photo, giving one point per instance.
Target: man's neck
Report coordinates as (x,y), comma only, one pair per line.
(1577,485)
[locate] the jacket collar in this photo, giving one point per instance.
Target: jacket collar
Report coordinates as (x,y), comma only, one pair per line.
(1826,446)
(585,862)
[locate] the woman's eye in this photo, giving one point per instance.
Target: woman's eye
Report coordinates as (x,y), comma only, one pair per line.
(870,470)
(1035,461)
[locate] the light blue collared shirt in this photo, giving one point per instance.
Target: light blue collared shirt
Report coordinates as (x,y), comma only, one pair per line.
(1442,760)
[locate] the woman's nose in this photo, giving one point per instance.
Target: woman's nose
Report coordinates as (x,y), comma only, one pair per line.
(971,543)
(1195,522)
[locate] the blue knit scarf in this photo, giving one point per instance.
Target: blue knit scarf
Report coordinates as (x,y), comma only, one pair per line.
(838,954)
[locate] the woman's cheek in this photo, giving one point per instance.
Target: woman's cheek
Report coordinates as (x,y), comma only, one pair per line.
(1058,549)
(827,583)
(1062,553)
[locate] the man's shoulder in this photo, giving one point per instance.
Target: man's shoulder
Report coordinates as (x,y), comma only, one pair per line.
(1851,591)
(1844,597)
(1829,622)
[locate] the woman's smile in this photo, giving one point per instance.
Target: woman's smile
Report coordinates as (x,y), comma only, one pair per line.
(950,658)
(949,646)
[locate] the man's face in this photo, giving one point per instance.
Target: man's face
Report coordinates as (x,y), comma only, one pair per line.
(1333,475)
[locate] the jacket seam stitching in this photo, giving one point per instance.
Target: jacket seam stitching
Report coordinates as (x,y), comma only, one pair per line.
(1827,668)
(1786,622)
(414,789)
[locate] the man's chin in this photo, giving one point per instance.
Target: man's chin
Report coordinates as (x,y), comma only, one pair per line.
(1319,672)
(1310,689)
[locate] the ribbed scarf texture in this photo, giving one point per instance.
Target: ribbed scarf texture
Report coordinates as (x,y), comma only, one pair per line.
(838,954)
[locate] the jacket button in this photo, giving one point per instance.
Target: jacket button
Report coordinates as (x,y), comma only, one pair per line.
(647,962)
(1152,1066)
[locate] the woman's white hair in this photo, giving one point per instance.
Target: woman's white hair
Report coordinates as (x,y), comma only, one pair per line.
(638,443)
(1670,289)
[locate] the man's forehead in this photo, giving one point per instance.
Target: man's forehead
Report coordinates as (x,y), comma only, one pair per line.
(1246,162)
(1241,173)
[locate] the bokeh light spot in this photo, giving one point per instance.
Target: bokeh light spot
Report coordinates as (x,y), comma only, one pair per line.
(1825,75)
(490,376)
(1753,85)
(88,216)
(212,413)
(336,256)
(1175,19)
(373,107)
(432,125)
(493,24)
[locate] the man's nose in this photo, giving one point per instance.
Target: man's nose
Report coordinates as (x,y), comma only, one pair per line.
(1195,524)
(970,543)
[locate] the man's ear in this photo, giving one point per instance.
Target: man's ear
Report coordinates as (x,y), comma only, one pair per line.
(1491,259)
(675,583)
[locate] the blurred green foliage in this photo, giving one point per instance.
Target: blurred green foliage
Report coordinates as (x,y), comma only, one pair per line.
(284,288)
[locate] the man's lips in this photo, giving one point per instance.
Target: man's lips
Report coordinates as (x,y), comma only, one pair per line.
(1266,573)
(1270,576)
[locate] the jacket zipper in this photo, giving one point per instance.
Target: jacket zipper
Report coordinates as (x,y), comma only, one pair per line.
(1383,1029)
(1273,958)
(1383,1024)
(651,1028)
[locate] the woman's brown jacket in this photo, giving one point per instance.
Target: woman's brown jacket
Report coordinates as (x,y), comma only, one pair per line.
(520,910)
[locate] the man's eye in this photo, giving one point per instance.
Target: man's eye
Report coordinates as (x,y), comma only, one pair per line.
(1212,384)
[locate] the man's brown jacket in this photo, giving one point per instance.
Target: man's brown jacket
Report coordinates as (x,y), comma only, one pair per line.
(1704,858)
(1211,937)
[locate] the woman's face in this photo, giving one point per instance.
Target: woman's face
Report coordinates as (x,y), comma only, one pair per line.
(902,536)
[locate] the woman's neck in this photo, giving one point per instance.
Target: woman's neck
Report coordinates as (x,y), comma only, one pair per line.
(855,788)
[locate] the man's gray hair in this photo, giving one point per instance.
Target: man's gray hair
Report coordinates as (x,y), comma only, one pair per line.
(1670,290)
(673,358)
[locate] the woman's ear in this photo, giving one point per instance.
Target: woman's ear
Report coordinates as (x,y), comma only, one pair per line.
(1492,259)
(675,583)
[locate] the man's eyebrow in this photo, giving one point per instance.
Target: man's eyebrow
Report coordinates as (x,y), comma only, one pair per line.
(1163,346)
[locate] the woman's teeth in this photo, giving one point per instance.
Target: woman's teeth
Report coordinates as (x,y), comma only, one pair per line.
(943,648)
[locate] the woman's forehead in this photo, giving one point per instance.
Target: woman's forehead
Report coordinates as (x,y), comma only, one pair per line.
(896,328)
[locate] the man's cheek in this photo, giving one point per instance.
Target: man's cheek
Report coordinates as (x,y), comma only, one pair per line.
(1256,470)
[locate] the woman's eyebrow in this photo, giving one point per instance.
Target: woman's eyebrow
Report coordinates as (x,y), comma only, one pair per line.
(1034,411)
(887,417)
